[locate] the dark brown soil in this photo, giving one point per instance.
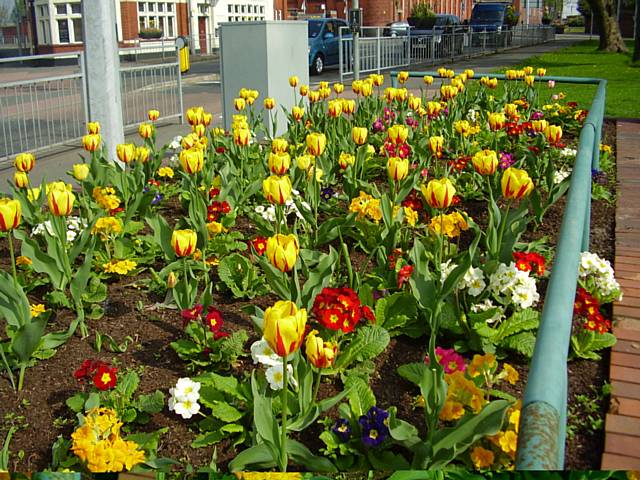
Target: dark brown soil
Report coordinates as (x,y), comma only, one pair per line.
(49,383)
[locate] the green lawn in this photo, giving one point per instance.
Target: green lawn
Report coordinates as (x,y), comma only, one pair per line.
(583,60)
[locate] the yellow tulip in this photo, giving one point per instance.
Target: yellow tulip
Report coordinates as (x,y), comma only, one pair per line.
(60,202)
(458,83)
(462,127)
(390,94)
(59,186)
(356,86)
(527,70)
(195,115)
(436,143)
(335,108)
(21,179)
(345,160)
(314,96)
(276,189)
(439,193)
(448,91)
(192,160)
(91,142)
(320,354)
(469,73)
(80,171)
(338,88)
(153,115)
(243,93)
(293,81)
(126,152)
(511,109)
(284,327)
(415,103)
(241,136)
(25,162)
(348,105)
(485,162)
(239,104)
(497,120)
(316,143)
(279,145)
(93,128)
(297,113)
(403,77)
(401,94)
(199,130)
(511,74)
(398,168)
(378,79)
(397,134)
(539,125)
(184,242)
(304,90)
(516,183)
(145,130)
(142,154)
(303,162)
(282,251)
(359,135)
(367,89)
(529,80)
(10,214)
(541,72)
(206,118)
(553,133)
(269,103)
(33,194)
(279,163)
(433,108)
(427,79)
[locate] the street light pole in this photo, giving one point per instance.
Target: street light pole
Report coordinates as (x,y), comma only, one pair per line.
(356,42)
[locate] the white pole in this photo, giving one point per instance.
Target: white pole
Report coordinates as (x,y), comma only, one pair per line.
(103,71)
(526,9)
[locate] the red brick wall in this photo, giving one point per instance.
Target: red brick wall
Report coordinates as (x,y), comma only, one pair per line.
(378,12)
(47,49)
(129,15)
(182,19)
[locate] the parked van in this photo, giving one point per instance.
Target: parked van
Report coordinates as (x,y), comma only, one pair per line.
(324,43)
(489,17)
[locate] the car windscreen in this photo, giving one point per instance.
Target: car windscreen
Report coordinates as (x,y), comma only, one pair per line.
(314,29)
(440,21)
(487,14)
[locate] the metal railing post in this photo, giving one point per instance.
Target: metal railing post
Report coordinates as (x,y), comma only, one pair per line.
(341,54)
(180,86)
(378,48)
(83,81)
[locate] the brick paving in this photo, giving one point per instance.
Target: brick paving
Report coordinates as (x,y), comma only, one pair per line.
(622,426)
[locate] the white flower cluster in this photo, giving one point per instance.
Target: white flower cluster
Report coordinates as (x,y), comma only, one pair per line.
(184,398)
(510,285)
(488,304)
(75,225)
(597,274)
(568,152)
(176,144)
(269,213)
(473,278)
(262,354)
(560,175)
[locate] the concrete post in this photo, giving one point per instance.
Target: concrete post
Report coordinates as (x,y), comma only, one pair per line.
(102,65)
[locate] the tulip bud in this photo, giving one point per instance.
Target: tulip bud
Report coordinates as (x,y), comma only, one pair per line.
(172,280)
(539,126)
(153,115)
(10,214)
(21,179)
(415,103)
(195,115)
(314,96)
(33,194)
(359,135)
(25,162)
(279,163)
(439,193)
(320,354)
(126,152)
(527,70)
(304,90)
(284,327)
(367,89)
(199,130)
(282,251)
(276,189)
(356,86)
(60,202)
(145,130)
(184,242)
(436,143)
(397,168)
(553,134)
(345,160)
(516,184)
(269,103)
(303,162)
(427,79)
(241,136)
(529,80)
(348,106)
(485,162)
(93,128)
(293,81)
(239,104)
(433,108)
(80,171)
(192,160)
(397,134)
(511,109)
(206,118)
(496,120)
(335,108)
(316,143)
(297,113)
(142,154)
(91,142)
(469,73)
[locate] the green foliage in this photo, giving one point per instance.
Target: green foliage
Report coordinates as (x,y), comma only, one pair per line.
(586,343)
(201,349)
(241,276)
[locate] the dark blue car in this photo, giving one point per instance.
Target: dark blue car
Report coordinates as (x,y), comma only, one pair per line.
(324,43)
(489,17)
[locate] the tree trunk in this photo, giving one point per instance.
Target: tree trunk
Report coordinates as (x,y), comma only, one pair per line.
(605,16)
(636,33)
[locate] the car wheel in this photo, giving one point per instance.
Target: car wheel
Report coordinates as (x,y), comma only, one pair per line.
(317,66)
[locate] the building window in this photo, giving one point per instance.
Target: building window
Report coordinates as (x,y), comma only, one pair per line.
(141,6)
(63,31)
(157,15)
(76,8)
(77,30)
(69,23)
(61,9)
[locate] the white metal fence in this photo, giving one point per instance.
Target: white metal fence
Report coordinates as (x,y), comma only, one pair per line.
(38,113)
(381,52)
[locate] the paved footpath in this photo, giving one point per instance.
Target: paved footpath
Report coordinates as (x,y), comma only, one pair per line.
(622,428)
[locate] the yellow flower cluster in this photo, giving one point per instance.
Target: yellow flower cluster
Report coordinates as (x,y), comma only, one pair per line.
(482,364)
(106,198)
(366,206)
(97,442)
(121,267)
(106,226)
(502,446)
(37,310)
(464,128)
(268,476)
(410,215)
(460,394)
(450,225)
(165,172)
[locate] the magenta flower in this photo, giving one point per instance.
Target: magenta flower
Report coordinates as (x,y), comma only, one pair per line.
(449,359)
(506,160)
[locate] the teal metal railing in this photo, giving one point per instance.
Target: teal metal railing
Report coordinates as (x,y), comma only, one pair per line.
(543,420)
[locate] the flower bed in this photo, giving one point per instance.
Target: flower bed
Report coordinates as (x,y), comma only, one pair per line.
(360,293)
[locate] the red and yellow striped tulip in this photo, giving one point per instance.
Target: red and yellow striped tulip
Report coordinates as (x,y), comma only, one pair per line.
(284,327)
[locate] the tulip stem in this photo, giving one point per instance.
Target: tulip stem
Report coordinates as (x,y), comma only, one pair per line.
(283,401)
(7,368)
(21,377)
(13,259)
(503,224)
(316,387)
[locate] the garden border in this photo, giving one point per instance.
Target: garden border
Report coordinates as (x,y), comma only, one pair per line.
(541,439)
